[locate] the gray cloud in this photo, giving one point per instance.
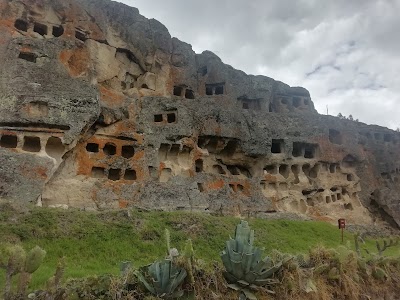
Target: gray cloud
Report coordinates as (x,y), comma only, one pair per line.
(345,52)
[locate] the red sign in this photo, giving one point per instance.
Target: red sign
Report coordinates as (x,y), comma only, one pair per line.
(342,223)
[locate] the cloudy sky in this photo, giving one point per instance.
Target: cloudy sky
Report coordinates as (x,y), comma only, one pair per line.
(345,52)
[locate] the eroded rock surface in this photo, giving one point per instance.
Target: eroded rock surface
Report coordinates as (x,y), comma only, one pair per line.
(100,108)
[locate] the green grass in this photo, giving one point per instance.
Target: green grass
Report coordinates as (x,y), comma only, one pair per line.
(96,242)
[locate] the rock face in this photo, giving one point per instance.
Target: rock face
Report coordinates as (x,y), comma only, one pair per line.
(100,108)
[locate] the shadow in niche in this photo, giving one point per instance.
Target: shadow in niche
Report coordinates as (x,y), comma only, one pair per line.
(377,208)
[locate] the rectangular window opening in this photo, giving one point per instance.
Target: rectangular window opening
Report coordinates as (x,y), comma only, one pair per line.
(209,90)
(178,91)
(171,118)
(40,28)
(114,174)
(277,146)
(92,147)
(28,56)
(158,118)
(21,25)
(189,94)
(98,172)
(32,144)
(219,90)
(130,175)
(9,141)
(127,151)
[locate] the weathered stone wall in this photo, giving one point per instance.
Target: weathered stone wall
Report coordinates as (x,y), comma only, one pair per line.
(101,108)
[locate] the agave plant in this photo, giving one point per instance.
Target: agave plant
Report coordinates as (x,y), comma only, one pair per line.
(245,268)
(163,279)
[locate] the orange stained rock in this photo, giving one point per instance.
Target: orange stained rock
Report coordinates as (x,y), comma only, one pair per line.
(216,185)
(328,151)
(111,98)
(8,23)
(246,187)
(76,61)
(123,204)
(25,49)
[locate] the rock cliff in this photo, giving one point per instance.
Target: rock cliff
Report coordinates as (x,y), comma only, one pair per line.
(100,108)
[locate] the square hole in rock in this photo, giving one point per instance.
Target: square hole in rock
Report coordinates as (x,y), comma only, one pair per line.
(277,146)
(199,165)
(110,149)
(178,90)
(114,174)
(297,149)
(98,172)
(58,31)
(130,175)
(171,118)
(21,25)
(128,151)
(200,187)
(31,144)
(40,28)
(309,151)
(209,90)
(9,141)
(92,147)
(219,90)
(28,56)
(189,94)
(158,118)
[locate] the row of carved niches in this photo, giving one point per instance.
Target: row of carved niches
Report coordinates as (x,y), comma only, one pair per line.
(166,118)
(299,149)
(310,171)
(288,103)
(40,29)
(110,157)
(217,145)
(110,149)
(184,92)
(378,137)
(33,142)
(44,29)
(178,159)
(113,174)
(311,185)
(212,166)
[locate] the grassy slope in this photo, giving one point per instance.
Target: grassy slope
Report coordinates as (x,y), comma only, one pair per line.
(96,243)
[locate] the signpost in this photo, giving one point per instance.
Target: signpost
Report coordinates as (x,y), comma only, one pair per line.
(342,226)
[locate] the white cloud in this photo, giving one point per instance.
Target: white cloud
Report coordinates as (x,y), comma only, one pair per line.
(345,52)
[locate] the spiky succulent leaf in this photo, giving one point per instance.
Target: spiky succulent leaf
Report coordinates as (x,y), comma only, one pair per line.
(243,262)
(249,295)
(162,278)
